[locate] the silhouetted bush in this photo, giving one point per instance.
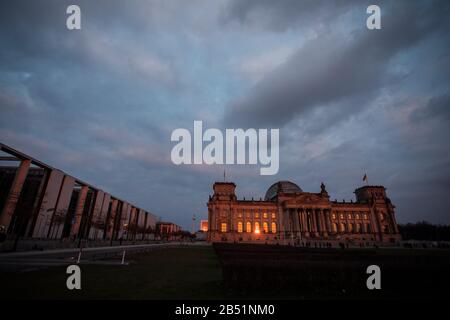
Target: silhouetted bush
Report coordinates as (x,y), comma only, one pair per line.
(424,231)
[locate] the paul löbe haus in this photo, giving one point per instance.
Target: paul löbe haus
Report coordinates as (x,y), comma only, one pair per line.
(288,215)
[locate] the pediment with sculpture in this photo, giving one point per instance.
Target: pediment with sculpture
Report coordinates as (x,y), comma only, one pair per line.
(307,199)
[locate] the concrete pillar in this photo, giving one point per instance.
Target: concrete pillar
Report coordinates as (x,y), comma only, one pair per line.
(145,234)
(141,224)
(62,205)
(37,203)
(93,229)
(79,211)
(111,219)
(132,224)
(103,214)
(124,221)
(152,224)
(48,204)
(14,194)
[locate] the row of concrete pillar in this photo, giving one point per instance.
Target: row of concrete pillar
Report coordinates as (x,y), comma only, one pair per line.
(102,217)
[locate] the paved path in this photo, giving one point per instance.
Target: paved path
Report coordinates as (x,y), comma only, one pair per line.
(31,260)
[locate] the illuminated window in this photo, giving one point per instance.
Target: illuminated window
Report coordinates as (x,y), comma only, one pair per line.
(381,217)
(240,215)
(265,227)
(357,216)
(349,216)
(257,227)
(257,215)
(274,227)
(365,216)
(334,227)
(265,215)
(341,216)
(240,226)
(274,216)
(358,228)
(248,227)
(341,227)
(333,216)
(350,227)
(223,227)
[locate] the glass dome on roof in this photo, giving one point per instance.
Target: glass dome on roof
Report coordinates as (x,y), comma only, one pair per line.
(281,186)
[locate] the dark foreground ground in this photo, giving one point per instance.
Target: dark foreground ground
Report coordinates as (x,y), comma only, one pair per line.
(194,272)
(169,273)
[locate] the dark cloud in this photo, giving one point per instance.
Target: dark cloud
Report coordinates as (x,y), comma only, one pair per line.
(335,70)
(101,103)
(282,15)
(437,107)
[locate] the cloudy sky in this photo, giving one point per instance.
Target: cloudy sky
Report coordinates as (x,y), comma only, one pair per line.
(101,103)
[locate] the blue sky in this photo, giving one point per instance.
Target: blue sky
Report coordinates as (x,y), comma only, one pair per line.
(101,102)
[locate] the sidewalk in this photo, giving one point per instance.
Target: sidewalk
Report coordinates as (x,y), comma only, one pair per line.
(106,249)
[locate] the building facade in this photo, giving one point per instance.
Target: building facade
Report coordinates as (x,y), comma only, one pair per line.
(288,215)
(204,225)
(38,201)
(167,230)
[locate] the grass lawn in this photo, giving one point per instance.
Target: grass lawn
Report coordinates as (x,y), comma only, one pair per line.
(169,273)
(193,272)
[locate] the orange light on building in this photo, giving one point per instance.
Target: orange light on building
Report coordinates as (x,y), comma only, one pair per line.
(257,231)
(204,225)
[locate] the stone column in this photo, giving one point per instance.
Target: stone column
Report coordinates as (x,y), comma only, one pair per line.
(309,221)
(299,214)
(305,221)
(14,194)
(313,221)
(319,221)
(316,221)
(324,224)
(328,220)
(296,221)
